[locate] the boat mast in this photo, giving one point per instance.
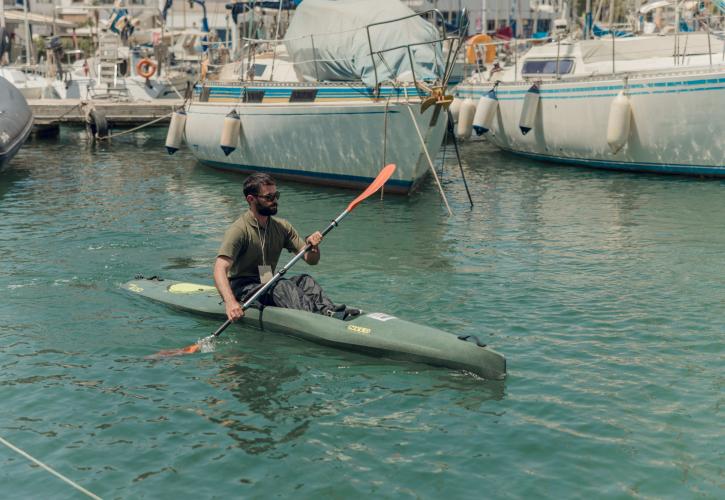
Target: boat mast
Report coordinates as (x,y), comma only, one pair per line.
(611,30)
(28,53)
(484,20)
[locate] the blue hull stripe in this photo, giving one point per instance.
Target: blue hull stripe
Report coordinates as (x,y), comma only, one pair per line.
(273,92)
(633,89)
(658,168)
(397,185)
(317,113)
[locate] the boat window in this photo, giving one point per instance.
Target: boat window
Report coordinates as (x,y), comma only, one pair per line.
(547,67)
(303,95)
(259,70)
(253,95)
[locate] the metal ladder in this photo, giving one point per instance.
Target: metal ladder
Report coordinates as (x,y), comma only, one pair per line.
(109,83)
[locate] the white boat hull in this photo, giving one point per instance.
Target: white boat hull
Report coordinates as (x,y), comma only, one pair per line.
(332,143)
(677,121)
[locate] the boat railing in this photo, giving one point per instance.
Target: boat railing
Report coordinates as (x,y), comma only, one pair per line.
(454,45)
(511,53)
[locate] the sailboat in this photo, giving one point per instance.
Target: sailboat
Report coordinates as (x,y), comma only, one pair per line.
(352,86)
(646,103)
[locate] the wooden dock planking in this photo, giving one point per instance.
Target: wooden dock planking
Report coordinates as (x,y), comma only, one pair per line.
(54,112)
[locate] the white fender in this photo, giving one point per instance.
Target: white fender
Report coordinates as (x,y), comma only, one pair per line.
(176,131)
(485,112)
(230,132)
(529,109)
(465,118)
(455,108)
(620,117)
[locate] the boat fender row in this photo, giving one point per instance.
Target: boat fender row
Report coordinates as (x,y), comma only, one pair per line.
(529,109)
(97,124)
(477,116)
(465,118)
(485,112)
(230,132)
(620,118)
(455,109)
(176,131)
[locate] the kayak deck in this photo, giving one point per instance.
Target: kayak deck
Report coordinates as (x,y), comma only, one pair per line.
(376,334)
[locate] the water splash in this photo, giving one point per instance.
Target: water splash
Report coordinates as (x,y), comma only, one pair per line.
(207,344)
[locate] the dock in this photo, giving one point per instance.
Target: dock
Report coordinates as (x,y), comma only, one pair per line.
(51,113)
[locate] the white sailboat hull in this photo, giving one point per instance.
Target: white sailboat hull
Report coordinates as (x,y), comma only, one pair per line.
(643,103)
(332,143)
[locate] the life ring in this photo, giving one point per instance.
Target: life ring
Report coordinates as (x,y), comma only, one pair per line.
(481,38)
(146,68)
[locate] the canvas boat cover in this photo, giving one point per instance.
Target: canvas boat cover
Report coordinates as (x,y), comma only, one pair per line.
(327,41)
(648,47)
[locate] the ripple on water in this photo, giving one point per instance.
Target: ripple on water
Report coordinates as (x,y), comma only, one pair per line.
(603,290)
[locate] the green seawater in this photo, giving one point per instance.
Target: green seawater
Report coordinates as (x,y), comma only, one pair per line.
(606,292)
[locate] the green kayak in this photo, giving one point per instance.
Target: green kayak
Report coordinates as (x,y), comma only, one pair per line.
(376,334)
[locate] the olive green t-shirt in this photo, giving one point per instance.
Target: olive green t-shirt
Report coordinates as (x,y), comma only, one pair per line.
(243,244)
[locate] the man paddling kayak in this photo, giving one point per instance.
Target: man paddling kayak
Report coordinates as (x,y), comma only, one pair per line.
(251,248)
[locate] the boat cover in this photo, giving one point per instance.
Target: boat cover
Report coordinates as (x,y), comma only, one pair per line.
(327,41)
(648,47)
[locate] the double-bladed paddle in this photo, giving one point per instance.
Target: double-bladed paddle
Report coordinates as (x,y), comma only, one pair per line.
(379,181)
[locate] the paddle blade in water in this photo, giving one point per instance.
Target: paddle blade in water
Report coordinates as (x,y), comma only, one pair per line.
(177,352)
(381,179)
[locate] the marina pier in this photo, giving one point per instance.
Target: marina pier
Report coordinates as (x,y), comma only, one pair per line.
(51,113)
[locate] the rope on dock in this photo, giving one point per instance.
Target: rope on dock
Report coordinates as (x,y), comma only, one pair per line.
(71,109)
(110,136)
(56,474)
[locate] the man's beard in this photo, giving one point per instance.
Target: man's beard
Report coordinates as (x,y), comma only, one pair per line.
(267,211)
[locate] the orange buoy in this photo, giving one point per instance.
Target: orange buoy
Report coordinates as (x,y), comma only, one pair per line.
(487,41)
(146,68)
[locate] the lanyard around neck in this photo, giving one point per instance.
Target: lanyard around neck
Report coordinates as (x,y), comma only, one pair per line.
(263,238)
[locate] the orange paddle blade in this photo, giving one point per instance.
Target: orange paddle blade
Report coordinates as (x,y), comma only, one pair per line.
(177,352)
(381,179)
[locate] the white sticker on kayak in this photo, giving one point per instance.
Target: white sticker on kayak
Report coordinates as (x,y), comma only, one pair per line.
(381,316)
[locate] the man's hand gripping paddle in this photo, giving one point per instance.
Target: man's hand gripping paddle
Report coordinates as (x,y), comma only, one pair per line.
(379,181)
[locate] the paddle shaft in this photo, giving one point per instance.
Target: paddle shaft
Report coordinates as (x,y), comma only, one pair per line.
(281,273)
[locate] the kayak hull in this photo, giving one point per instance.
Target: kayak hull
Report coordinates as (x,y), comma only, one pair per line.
(375,334)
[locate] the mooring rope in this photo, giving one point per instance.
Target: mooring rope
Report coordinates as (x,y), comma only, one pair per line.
(56,474)
(427,155)
(110,136)
(69,110)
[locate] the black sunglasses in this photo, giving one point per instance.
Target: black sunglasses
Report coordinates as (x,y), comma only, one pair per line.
(269,197)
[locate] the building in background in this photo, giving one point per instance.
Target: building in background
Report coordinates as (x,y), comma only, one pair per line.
(491,15)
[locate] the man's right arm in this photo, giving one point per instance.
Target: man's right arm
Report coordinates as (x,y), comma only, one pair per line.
(221,280)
